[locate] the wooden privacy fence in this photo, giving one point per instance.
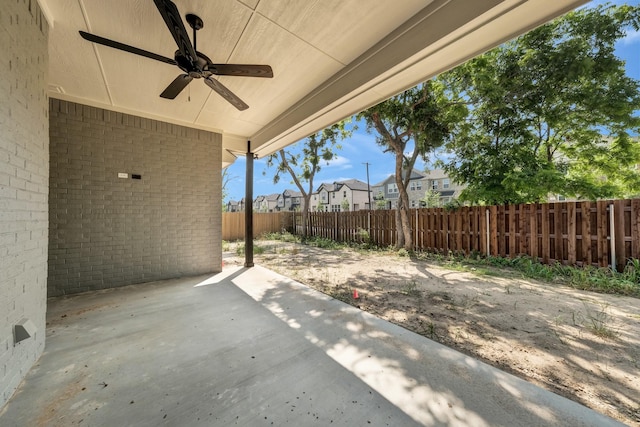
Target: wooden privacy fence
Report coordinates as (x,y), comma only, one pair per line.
(273,222)
(601,233)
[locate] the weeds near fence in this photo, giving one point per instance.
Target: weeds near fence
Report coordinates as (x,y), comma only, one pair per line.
(600,324)
(257,249)
(283,237)
(589,278)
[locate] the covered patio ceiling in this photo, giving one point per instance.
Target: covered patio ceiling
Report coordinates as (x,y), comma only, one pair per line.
(330,58)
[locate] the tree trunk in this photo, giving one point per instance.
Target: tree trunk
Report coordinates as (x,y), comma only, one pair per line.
(403,225)
(399,230)
(305,215)
(406,222)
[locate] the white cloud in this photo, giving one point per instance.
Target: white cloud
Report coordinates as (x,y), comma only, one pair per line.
(340,162)
(335,179)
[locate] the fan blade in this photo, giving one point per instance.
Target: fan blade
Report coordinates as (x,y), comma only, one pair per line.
(226,93)
(176,86)
(126,48)
(171,16)
(241,70)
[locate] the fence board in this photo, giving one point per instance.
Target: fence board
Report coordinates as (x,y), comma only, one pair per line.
(512,231)
(533,231)
(233,224)
(585,236)
(557,232)
(619,214)
(602,233)
(571,233)
(635,228)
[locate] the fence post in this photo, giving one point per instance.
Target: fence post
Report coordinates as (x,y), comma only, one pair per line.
(612,237)
(488,233)
(415,242)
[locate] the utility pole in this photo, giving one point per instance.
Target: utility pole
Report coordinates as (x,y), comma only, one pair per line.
(368,186)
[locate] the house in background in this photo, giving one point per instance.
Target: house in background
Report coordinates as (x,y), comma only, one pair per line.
(259,203)
(233,206)
(288,200)
(440,182)
(291,200)
(419,182)
(270,203)
(387,190)
(341,196)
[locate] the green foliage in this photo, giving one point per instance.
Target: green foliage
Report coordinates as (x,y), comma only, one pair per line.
(302,166)
(324,243)
(318,149)
(404,253)
(362,236)
(602,280)
(538,107)
(257,249)
(381,204)
(431,198)
(412,124)
(284,236)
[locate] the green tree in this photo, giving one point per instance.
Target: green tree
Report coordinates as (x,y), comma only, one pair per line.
(419,119)
(302,166)
(345,205)
(431,198)
(538,109)
(381,204)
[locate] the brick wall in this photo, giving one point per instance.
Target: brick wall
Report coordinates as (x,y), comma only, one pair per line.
(107,231)
(24,159)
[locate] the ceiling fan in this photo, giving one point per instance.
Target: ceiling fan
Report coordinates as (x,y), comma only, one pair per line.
(195,65)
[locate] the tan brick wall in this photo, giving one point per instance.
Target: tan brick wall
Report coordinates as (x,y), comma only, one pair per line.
(106,231)
(24,159)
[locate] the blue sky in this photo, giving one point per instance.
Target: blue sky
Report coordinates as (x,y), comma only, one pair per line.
(361,146)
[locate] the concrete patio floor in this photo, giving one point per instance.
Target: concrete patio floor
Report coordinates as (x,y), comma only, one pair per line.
(250,347)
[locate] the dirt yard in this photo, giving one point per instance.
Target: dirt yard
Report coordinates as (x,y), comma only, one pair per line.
(582,345)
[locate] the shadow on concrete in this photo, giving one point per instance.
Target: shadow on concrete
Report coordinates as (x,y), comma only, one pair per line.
(250,347)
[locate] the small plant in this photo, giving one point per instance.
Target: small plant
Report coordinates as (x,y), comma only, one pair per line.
(363,236)
(431,330)
(323,243)
(411,289)
(283,236)
(467,302)
(403,253)
(631,271)
(340,292)
(257,250)
(599,323)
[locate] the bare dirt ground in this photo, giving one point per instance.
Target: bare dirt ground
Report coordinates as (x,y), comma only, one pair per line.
(579,344)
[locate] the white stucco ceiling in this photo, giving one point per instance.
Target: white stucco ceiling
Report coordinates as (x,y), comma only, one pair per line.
(330,58)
